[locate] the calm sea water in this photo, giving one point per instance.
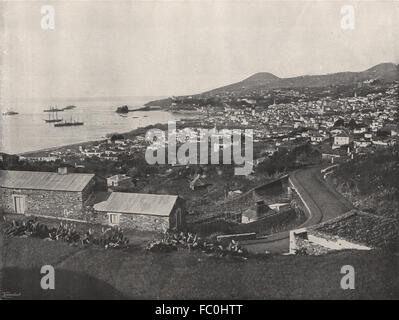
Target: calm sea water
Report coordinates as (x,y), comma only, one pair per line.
(28,131)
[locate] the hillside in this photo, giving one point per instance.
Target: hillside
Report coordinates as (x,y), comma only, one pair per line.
(386,72)
(371,183)
(94,273)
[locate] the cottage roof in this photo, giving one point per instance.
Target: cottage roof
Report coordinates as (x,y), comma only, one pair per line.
(44,180)
(139,203)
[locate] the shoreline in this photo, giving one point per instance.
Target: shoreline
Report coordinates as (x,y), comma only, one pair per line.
(83,143)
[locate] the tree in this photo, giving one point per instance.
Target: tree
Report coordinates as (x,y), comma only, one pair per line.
(339,123)
(352,124)
(117,137)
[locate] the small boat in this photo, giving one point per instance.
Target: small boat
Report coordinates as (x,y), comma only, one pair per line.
(69,107)
(123,115)
(69,124)
(9,113)
(53,120)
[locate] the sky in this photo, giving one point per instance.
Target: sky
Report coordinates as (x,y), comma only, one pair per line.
(162,48)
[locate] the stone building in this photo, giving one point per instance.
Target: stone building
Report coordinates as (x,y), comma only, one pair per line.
(53,194)
(149,212)
(118,180)
(341,139)
(260,211)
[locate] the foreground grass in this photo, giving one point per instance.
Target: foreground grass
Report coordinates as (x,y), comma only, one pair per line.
(95,273)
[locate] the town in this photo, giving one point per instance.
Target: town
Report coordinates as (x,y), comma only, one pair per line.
(304,141)
(345,126)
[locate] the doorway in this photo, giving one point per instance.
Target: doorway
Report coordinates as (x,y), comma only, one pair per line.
(19,204)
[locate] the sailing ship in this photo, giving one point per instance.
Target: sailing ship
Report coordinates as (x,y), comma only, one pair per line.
(9,112)
(52,109)
(53,117)
(69,123)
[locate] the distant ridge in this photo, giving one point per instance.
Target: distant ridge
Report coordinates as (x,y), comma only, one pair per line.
(387,72)
(383,71)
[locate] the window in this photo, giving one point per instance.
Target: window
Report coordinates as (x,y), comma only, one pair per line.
(114,218)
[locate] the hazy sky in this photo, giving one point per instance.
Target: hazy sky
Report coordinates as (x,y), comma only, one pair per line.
(140,48)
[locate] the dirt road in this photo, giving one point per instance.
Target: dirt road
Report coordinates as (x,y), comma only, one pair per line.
(323,201)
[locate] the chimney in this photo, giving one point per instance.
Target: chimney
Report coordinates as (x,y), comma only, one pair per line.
(63,170)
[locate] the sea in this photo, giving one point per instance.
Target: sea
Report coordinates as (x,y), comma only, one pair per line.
(28,130)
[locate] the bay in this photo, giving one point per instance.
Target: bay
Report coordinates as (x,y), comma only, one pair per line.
(28,131)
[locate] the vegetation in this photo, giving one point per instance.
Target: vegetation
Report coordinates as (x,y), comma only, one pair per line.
(285,159)
(31,227)
(91,273)
(372,182)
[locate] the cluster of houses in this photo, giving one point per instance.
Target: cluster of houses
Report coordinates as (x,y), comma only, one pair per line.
(280,125)
(108,149)
(315,121)
(80,197)
(85,197)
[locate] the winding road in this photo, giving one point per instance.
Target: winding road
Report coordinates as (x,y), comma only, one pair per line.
(322,200)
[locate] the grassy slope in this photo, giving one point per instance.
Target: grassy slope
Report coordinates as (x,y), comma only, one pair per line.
(96,273)
(371,183)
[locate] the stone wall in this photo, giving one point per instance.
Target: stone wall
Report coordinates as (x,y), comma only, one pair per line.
(88,190)
(46,203)
(303,241)
(306,247)
(142,222)
(266,224)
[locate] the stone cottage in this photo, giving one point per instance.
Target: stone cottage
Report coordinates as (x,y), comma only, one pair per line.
(149,212)
(53,194)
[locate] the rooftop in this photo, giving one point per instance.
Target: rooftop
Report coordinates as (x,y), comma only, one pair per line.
(139,203)
(36,180)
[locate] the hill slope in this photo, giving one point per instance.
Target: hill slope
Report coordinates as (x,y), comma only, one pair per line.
(384,71)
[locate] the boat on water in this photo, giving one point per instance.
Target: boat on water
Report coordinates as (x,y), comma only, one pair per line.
(53,118)
(52,109)
(69,107)
(69,123)
(9,112)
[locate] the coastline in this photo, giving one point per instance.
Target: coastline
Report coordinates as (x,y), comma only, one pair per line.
(133,132)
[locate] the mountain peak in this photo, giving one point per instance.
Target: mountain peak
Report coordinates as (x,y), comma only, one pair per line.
(385,66)
(261,77)
(263,81)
